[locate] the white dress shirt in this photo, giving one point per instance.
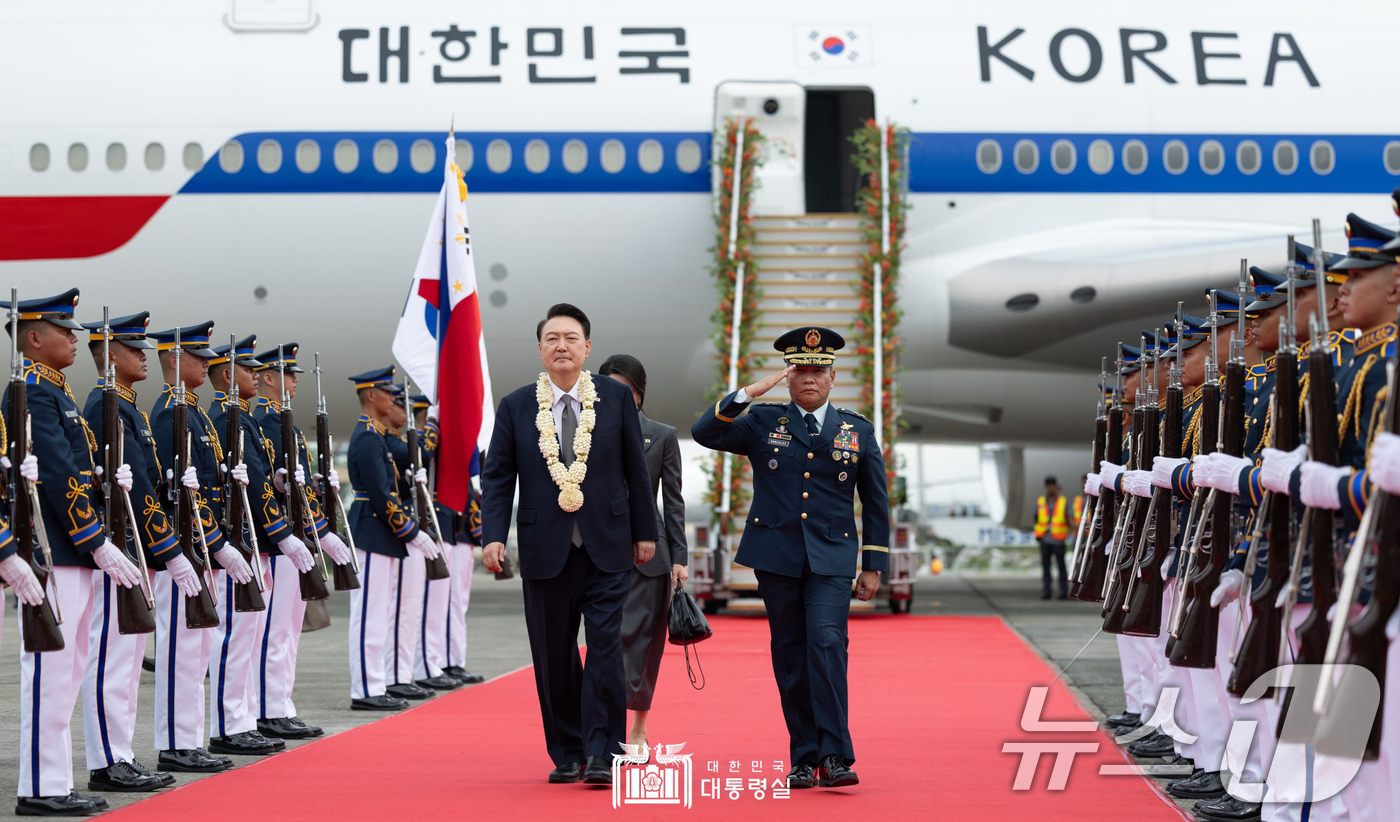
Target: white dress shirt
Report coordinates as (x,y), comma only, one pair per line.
(741,396)
(560,397)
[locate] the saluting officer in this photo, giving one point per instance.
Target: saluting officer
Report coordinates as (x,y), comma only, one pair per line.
(809,460)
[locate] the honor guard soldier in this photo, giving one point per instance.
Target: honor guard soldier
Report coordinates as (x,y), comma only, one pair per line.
(63,444)
(113,673)
(386,536)
(232,678)
(809,461)
(277,715)
(468,536)
(182,652)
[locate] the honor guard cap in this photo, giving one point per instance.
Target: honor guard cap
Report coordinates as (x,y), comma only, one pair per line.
(286,354)
(1303,260)
(129,331)
(1194,331)
(1131,357)
(243,350)
(57,310)
(1227,306)
(1393,247)
(381,378)
(420,402)
(1266,293)
(193,339)
(810,345)
(1364,243)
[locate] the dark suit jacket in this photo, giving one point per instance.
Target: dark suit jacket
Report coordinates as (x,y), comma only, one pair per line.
(617,509)
(664,465)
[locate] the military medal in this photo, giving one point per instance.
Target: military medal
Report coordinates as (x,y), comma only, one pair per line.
(836,455)
(772,463)
(842,476)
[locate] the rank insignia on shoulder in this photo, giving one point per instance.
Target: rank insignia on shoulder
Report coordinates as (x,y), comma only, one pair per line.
(855,414)
(778,404)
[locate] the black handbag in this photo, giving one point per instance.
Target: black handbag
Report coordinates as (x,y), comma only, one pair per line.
(686,626)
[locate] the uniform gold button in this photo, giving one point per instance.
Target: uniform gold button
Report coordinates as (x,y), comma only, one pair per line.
(804,494)
(806,475)
(804,514)
(775,450)
(755,519)
(845,535)
(809,455)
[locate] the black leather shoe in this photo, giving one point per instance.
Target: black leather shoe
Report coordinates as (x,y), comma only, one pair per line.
(314,730)
(239,745)
(277,744)
(462,675)
(228,763)
(802,775)
(1199,785)
(1227,809)
(834,773)
(1159,744)
(1124,730)
(383,702)
(1175,768)
(598,771)
(166,779)
(191,760)
(148,663)
(439,683)
(284,728)
(568,772)
(407,690)
(1125,718)
(74,804)
(120,777)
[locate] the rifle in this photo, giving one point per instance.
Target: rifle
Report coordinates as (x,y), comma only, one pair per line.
(247,596)
(202,609)
(1197,635)
(1255,655)
(38,623)
(313,582)
(1093,511)
(1105,514)
(422,498)
(1145,436)
(346,577)
(135,605)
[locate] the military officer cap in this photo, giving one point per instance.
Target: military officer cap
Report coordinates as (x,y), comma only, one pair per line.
(1132,356)
(420,402)
(57,310)
(284,354)
(381,378)
(1306,276)
(1194,331)
(194,339)
(1266,293)
(810,345)
(243,352)
(1393,247)
(1364,242)
(129,331)
(1227,306)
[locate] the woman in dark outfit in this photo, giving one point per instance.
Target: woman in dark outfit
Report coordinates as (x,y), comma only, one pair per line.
(644,617)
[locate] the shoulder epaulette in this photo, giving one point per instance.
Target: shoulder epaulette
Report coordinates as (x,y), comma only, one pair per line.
(779,404)
(855,414)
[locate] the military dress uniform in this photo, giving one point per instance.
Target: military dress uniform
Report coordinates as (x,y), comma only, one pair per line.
(467,528)
(407,628)
(800,537)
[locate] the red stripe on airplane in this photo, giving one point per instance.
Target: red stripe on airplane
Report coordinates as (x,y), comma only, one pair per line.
(53,228)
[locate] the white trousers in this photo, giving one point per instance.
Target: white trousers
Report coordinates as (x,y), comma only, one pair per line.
(442,639)
(384,615)
(48,691)
(1129,660)
(110,681)
(463,564)
(232,676)
(182,659)
(410,578)
(277,652)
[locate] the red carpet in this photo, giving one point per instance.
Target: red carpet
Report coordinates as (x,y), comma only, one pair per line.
(932,701)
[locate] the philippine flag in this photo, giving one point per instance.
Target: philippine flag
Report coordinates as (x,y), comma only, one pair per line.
(439,341)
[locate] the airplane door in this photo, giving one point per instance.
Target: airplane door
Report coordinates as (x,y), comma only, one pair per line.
(778,111)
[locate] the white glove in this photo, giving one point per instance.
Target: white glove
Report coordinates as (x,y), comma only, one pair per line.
(183,573)
(234,563)
(5,462)
(1392,625)
(1091,485)
(1162,470)
(1229,588)
(29,468)
(334,480)
(1166,565)
(294,549)
(1108,472)
(1278,467)
(300,475)
(123,477)
(1138,483)
(114,561)
(240,473)
(421,475)
(1383,468)
(1220,471)
(190,479)
(1318,485)
(20,577)
(423,545)
(335,549)
(279,480)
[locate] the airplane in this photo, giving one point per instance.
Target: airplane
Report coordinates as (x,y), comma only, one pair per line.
(270,164)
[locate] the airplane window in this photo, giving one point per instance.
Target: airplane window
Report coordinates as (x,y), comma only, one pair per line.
(989,156)
(386,156)
(1285,157)
(116,156)
(1062,156)
(575,156)
(498,156)
(536,156)
(1100,157)
(269,156)
(462,154)
(155,156)
(193,157)
(346,156)
(1135,157)
(422,156)
(308,156)
(231,157)
(39,157)
(687,156)
(650,156)
(613,156)
(1212,157)
(77,156)
(1392,156)
(1174,156)
(1247,157)
(1321,157)
(1027,156)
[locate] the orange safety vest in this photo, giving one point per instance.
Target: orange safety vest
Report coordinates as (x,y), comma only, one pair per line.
(1078,507)
(1057,525)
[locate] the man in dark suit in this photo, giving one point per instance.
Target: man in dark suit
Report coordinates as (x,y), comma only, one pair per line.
(580,528)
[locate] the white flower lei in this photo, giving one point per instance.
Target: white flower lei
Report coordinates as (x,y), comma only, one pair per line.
(568,479)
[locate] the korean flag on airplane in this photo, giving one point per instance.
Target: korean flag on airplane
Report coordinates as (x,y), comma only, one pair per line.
(834,46)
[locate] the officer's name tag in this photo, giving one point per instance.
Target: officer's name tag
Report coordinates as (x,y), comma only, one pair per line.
(774,439)
(70,414)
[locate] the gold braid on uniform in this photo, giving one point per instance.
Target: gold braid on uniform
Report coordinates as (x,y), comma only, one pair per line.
(1302,395)
(1352,413)
(159,471)
(1376,419)
(213,435)
(1193,436)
